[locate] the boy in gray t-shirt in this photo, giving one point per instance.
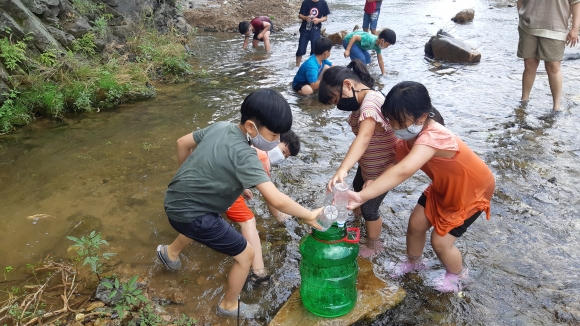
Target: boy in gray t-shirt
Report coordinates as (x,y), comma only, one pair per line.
(216,165)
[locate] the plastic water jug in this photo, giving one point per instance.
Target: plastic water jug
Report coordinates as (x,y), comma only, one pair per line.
(340,201)
(329,270)
(327,217)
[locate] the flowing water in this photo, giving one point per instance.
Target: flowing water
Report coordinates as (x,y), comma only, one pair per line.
(108,172)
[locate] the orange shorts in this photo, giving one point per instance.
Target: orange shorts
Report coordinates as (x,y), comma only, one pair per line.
(239,211)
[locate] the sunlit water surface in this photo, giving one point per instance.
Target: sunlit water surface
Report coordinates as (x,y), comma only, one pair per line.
(108,172)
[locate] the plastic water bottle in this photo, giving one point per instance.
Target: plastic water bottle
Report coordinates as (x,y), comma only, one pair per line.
(329,270)
(327,217)
(309,24)
(340,202)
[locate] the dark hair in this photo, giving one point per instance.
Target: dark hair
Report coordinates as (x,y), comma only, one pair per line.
(267,108)
(292,141)
(388,35)
(333,77)
(243,27)
(409,99)
(322,45)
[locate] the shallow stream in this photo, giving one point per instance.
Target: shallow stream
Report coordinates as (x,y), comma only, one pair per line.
(108,172)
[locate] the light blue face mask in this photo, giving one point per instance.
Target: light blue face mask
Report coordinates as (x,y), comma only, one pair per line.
(408,133)
(260,142)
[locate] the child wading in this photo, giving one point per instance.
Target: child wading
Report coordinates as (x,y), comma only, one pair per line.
(214,175)
(350,88)
(461,183)
(312,14)
(307,79)
(357,45)
(261,26)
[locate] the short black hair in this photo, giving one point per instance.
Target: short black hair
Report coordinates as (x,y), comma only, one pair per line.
(322,45)
(333,77)
(388,35)
(244,27)
(267,108)
(291,140)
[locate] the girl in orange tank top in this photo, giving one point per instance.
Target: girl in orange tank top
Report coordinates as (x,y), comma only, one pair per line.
(461,183)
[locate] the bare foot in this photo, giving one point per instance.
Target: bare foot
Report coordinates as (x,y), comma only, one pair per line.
(371,248)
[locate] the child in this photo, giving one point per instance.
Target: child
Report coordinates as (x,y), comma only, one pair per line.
(371,15)
(262,27)
(350,88)
(240,213)
(210,179)
(461,183)
(357,45)
(308,76)
(314,12)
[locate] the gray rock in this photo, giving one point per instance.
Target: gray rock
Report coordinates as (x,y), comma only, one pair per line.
(15,29)
(446,47)
(78,27)
(463,16)
(64,38)
(102,294)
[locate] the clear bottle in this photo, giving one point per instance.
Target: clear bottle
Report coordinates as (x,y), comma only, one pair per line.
(327,217)
(340,202)
(309,24)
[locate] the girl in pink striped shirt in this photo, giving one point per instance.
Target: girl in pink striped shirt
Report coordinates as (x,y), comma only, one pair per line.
(350,88)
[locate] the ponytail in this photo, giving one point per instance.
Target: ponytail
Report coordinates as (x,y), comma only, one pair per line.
(435,115)
(333,77)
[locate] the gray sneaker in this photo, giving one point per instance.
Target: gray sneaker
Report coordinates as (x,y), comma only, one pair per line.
(172,265)
(247,311)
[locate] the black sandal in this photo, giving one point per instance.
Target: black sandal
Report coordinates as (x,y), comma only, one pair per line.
(258,280)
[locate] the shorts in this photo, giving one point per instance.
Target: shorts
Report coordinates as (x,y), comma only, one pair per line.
(546,49)
(256,34)
(239,211)
(458,231)
(306,36)
(299,86)
(214,232)
(370,209)
(371,19)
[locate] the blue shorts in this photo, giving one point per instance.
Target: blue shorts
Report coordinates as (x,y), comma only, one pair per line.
(372,19)
(356,53)
(214,232)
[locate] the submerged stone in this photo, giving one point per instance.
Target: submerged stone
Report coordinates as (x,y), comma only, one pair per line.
(445,46)
(375,297)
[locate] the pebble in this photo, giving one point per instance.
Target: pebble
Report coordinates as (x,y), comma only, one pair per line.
(79,317)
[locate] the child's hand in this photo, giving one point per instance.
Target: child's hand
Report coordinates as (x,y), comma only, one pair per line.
(312,219)
(368,183)
(346,53)
(354,200)
(315,20)
(338,177)
(247,194)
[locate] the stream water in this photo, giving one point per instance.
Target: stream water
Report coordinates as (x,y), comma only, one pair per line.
(108,172)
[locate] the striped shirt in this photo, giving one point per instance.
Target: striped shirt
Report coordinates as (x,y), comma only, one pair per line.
(381,149)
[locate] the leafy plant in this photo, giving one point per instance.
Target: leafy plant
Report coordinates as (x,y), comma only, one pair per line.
(87,6)
(85,44)
(100,25)
(131,295)
(149,317)
(48,58)
(12,53)
(88,249)
(7,270)
(184,320)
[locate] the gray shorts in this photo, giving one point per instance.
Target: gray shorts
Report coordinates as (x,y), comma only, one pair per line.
(542,48)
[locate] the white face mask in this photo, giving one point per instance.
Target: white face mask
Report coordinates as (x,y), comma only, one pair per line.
(260,142)
(276,156)
(408,133)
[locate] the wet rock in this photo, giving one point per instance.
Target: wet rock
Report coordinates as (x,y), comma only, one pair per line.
(447,71)
(211,30)
(463,16)
(356,28)
(102,294)
(446,47)
(375,297)
(337,38)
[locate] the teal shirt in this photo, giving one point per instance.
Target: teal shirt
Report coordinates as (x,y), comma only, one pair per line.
(209,181)
(367,41)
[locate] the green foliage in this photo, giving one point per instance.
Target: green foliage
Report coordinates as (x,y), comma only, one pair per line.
(176,66)
(48,58)
(12,53)
(148,316)
(13,111)
(85,44)
(87,6)
(89,250)
(7,270)
(100,25)
(184,320)
(131,295)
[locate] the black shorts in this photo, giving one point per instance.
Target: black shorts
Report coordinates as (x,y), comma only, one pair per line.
(458,231)
(214,232)
(299,86)
(370,209)
(256,34)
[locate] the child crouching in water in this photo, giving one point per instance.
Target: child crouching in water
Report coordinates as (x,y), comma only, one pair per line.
(461,183)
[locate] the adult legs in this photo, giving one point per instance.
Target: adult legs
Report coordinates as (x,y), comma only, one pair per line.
(250,233)
(529,76)
(555,80)
(237,278)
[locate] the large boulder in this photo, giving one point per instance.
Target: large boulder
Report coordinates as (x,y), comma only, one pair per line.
(444,46)
(375,297)
(78,27)
(463,16)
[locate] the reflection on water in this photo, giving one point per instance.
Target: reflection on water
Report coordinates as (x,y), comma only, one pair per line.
(109,171)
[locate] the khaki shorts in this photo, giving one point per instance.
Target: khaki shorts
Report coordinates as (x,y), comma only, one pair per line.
(546,49)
